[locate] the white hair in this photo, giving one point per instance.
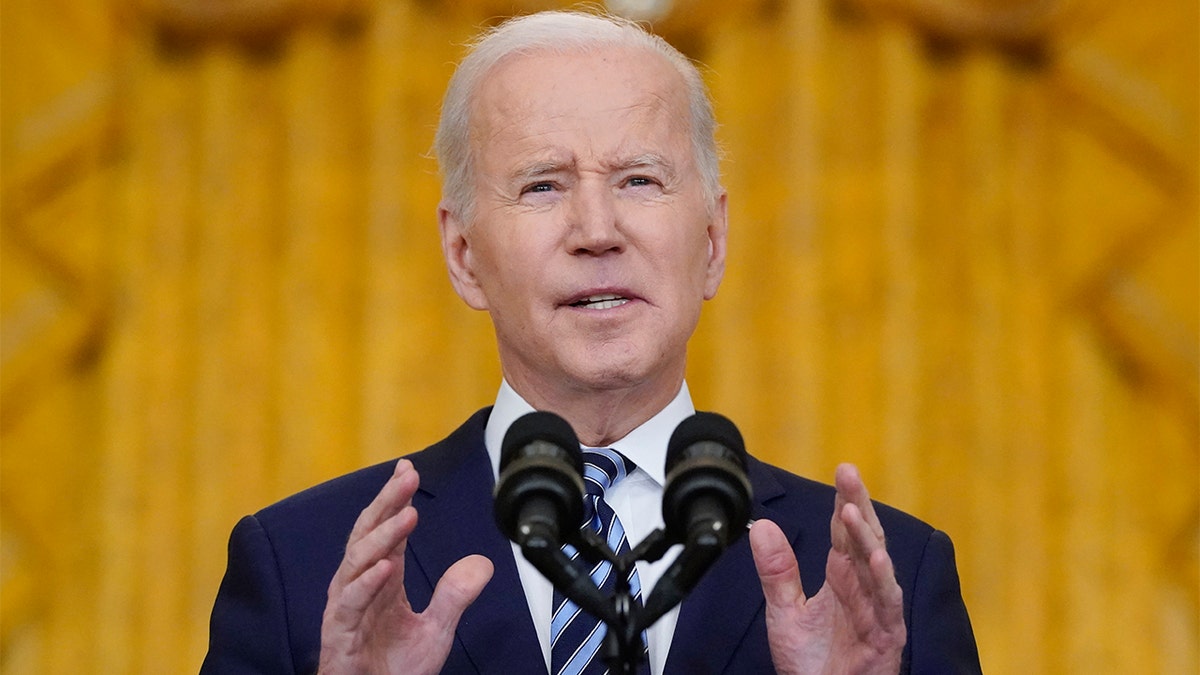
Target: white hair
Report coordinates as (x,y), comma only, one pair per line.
(558,32)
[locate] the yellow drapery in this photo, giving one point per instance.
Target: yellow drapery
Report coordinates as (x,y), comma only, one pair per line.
(963,255)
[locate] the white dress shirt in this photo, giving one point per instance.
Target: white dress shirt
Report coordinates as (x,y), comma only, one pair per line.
(637,500)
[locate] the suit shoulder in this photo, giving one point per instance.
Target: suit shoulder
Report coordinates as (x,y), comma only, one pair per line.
(339,500)
(336,500)
(791,493)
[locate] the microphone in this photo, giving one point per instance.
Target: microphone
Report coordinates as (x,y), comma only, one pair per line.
(539,493)
(706,503)
(539,504)
(707,492)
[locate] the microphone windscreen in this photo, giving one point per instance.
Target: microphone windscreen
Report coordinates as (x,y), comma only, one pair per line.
(540,426)
(705,427)
(539,491)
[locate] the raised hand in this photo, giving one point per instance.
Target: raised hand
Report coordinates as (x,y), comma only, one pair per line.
(855,622)
(368,625)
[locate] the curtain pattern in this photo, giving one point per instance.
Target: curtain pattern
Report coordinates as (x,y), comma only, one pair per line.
(963,254)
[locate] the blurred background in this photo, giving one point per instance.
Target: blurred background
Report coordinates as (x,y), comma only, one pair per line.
(964,251)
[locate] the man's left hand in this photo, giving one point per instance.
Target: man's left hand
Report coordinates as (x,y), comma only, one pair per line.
(855,622)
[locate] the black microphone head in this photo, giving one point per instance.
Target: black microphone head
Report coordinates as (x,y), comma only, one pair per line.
(539,426)
(706,483)
(706,427)
(540,486)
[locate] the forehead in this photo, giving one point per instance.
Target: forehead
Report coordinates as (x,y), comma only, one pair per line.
(599,100)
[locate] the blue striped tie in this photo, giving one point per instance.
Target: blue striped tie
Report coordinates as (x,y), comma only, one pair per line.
(575,635)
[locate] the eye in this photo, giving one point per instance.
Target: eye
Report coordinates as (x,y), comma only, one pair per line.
(640,181)
(538,187)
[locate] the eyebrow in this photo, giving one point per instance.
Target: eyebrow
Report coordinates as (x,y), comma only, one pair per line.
(540,169)
(649,159)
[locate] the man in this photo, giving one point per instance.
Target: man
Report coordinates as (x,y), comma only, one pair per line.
(582,210)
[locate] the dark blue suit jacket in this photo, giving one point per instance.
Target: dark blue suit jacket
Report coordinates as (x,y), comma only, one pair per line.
(267,615)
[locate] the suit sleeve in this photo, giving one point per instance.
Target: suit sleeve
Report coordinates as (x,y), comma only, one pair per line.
(248,632)
(940,639)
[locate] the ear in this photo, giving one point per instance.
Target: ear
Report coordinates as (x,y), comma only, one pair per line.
(718,228)
(456,249)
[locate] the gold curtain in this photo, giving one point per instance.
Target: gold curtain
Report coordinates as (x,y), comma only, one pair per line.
(964,255)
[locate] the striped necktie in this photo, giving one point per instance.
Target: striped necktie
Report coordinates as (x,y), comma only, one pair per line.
(576,636)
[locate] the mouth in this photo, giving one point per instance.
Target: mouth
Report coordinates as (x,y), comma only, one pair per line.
(600,301)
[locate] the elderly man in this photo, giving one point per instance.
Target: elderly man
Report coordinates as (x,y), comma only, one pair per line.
(582,210)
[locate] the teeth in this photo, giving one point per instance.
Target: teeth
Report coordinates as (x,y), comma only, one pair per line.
(604,301)
(609,304)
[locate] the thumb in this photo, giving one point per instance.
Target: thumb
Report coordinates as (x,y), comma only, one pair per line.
(457,589)
(776,564)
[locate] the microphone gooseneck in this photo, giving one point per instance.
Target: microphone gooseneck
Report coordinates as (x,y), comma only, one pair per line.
(539,506)
(539,503)
(706,503)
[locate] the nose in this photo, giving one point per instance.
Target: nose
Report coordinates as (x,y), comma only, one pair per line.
(593,221)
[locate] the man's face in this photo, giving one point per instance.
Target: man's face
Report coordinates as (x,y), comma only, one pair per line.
(592,243)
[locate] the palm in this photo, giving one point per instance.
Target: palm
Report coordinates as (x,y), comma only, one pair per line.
(854,624)
(369,625)
(388,637)
(822,635)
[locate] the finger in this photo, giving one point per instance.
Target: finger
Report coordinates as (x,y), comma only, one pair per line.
(396,494)
(889,597)
(864,547)
(350,606)
(871,599)
(851,489)
(384,542)
(776,564)
(865,580)
(863,539)
(457,589)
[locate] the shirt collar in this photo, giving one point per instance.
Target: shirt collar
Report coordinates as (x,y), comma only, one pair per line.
(646,445)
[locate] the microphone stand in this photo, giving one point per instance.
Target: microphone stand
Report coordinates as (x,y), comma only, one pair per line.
(623,648)
(546,554)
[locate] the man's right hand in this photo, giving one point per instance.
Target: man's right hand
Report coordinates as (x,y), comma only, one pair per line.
(369,626)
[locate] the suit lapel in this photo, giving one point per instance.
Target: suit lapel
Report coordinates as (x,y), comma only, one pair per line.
(496,633)
(456,519)
(715,618)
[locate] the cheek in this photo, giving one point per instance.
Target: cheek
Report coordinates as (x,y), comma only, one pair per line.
(507,269)
(699,250)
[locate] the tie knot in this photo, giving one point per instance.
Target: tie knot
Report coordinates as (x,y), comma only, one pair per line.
(604,468)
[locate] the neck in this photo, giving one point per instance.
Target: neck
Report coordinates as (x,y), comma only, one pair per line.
(600,417)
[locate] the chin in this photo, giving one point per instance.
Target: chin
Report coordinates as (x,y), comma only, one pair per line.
(607,379)
(608,365)
(592,371)
(611,374)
